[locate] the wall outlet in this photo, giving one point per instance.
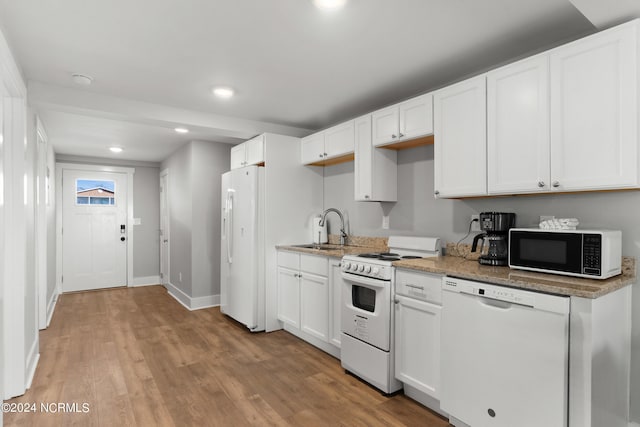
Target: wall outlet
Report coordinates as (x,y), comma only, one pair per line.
(546,217)
(475,225)
(385,222)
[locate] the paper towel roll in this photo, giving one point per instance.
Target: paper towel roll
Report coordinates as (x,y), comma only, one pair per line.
(319,232)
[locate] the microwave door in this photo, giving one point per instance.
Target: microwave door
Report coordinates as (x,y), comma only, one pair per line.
(547,251)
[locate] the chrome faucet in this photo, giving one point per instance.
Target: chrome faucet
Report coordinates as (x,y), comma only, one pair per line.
(343,234)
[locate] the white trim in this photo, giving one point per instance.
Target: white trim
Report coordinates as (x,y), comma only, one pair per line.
(96,168)
(192,304)
(632,424)
(51,307)
(42,152)
(32,363)
(145,281)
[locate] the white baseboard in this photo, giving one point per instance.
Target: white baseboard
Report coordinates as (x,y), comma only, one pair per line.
(32,363)
(51,306)
(632,424)
(145,281)
(192,303)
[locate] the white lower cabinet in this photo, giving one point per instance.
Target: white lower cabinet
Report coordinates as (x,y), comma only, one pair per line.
(418,345)
(307,300)
(314,297)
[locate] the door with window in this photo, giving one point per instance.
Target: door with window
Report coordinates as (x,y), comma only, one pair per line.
(94,230)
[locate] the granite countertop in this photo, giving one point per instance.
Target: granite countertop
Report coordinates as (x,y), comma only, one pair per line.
(457,266)
(551,283)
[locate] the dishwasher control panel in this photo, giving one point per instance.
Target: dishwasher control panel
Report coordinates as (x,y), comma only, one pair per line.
(511,295)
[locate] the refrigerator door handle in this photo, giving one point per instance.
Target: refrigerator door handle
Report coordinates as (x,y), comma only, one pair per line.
(230,226)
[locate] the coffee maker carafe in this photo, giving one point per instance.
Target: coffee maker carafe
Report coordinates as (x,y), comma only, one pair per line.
(496,227)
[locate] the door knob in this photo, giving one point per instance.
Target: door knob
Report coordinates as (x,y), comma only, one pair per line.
(122,239)
(166,241)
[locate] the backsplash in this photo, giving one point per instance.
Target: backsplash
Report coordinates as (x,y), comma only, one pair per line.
(462,250)
(379,243)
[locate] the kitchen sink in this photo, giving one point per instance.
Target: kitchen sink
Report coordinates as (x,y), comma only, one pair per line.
(323,247)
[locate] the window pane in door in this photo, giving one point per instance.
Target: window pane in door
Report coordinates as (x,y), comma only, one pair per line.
(95,192)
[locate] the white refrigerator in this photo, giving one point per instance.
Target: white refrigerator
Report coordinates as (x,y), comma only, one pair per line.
(242,272)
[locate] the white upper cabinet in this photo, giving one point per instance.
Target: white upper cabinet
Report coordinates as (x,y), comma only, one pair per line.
(312,148)
(518,127)
(375,168)
(332,143)
(248,153)
(594,141)
(401,122)
(254,150)
(460,146)
(416,117)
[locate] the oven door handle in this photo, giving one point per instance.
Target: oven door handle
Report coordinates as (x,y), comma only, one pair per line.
(366,281)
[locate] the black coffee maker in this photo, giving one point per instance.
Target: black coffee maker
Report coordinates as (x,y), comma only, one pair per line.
(496,227)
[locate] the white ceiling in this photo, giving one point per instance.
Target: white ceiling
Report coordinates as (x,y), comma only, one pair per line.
(294,68)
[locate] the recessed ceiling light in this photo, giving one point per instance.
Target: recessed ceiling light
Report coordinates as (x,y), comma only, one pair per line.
(116,149)
(329,4)
(223,92)
(82,79)
(182,130)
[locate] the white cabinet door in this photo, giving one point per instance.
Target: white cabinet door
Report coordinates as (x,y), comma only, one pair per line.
(416,117)
(375,168)
(594,113)
(314,297)
(254,150)
(289,296)
(238,156)
(385,125)
(336,282)
(339,140)
(417,336)
(312,148)
(518,127)
(460,148)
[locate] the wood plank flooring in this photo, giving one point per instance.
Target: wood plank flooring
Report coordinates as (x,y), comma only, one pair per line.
(138,358)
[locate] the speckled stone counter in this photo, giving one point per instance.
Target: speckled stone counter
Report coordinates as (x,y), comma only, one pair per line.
(543,282)
(355,245)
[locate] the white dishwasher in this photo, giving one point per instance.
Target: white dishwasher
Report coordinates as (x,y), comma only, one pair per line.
(504,355)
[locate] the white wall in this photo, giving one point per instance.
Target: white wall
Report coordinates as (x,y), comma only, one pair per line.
(417,212)
(194,210)
(209,161)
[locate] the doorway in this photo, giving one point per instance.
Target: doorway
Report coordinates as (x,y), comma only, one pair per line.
(95,239)
(164,227)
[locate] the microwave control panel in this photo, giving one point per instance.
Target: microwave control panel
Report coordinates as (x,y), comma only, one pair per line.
(591,250)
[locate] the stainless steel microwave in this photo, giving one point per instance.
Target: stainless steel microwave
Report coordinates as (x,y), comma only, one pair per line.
(593,254)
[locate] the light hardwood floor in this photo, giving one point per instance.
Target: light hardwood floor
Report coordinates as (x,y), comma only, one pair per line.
(139,358)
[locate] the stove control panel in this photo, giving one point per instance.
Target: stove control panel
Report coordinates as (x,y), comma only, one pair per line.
(366,269)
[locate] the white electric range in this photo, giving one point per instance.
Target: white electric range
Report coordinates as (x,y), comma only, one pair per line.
(367,309)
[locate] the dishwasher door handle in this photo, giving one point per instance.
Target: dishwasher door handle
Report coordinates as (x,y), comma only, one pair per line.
(496,303)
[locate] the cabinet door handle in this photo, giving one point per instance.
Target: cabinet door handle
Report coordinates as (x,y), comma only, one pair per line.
(320,155)
(393,136)
(540,184)
(556,184)
(366,196)
(409,285)
(325,154)
(401,134)
(396,301)
(436,192)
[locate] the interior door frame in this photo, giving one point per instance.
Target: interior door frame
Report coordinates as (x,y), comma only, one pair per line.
(60,167)
(42,145)
(167,232)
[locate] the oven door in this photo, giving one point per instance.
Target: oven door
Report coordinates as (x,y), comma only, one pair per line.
(366,309)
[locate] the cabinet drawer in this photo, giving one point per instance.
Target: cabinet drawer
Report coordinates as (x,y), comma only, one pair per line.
(427,287)
(314,264)
(289,259)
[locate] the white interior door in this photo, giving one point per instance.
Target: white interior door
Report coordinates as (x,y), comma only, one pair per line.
(94,230)
(164,228)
